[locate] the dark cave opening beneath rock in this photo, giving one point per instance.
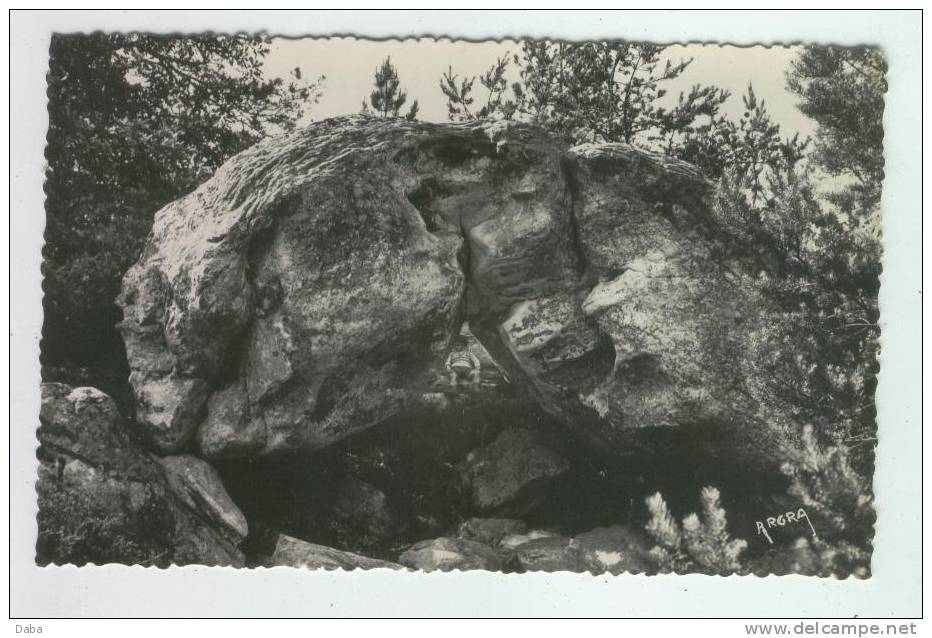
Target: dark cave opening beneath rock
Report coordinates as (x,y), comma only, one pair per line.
(378,492)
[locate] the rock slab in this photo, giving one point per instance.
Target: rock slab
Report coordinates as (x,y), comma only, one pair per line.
(447,554)
(294,552)
(198,486)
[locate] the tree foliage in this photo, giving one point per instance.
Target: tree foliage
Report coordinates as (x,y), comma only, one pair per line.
(460,102)
(136,120)
(822,249)
(823,277)
(843,90)
(594,91)
(388,98)
(617,92)
(749,149)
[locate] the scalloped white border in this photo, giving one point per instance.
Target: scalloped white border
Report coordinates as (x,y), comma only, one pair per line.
(894,589)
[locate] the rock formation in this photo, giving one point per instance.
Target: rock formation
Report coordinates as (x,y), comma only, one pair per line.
(103,499)
(311,287)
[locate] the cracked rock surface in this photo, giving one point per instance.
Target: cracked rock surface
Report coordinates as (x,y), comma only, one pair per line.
(311,288)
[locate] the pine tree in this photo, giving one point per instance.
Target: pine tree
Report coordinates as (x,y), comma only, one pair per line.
(388,98)
(595,91)
(843,90)
(700,543)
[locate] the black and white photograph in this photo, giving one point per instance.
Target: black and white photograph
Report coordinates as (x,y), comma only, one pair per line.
(607,306)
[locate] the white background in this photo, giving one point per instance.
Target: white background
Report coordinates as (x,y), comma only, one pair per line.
(108,591)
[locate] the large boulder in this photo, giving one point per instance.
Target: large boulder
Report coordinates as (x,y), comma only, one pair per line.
(300,276)
(691,332)
(663,332)
(102,499)
(311,288)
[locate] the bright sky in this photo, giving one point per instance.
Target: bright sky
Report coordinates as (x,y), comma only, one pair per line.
(349,65)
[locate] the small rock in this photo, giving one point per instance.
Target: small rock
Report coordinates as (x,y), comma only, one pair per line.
(615,549)
(199,487)
(83,416)
(548,554)
(294,552)
(491,531)
(514,540)
(446,554)
(512,473)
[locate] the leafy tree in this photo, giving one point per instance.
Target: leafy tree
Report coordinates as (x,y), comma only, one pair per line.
(136,120)
(388,98)
(843,90)
(818,255)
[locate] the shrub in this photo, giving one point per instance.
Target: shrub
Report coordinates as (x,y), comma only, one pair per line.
(698,544)
(837,500)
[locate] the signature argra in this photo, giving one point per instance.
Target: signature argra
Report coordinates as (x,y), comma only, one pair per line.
(782,521)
